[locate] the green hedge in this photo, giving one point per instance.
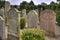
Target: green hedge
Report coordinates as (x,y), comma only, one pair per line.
(22,23)
(33,34)
(58,17)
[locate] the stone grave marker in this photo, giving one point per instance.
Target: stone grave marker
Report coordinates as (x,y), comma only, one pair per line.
(3,30)
(32,19)
(24,13)
(12,21)
(48,21)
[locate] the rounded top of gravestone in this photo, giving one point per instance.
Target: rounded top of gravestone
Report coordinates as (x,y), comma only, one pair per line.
(14,9)
(47,11)
(33,11)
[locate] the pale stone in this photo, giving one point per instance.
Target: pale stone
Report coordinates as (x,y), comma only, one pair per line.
(7,6)
(32,19)
(12,21)
(24,13)
(2,29)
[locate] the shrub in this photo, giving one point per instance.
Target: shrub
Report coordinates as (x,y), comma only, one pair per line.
(33,34)
(58,17)
(22,23)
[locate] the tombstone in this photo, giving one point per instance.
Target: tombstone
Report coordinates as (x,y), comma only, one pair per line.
(32,19)
(7,6)
(48,21)
(12,20)
(3,33)
(24,13)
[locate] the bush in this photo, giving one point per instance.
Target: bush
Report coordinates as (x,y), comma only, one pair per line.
(58,17)
(33,34)
(22,23)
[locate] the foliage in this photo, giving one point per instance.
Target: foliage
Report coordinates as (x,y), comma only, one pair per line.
(2,3)
(33,34)
(22,23)
(23,5)
(27,6)
(58,17)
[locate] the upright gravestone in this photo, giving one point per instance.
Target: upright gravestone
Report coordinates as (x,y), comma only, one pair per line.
(7,6)
(3,30)
(12,21)
(24,12)
(47,21)
(32,18)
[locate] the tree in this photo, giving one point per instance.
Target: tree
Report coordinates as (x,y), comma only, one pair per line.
(2,3)
(14,6)
(58,17)
(27,6)
(53,5)
(23,5)
(31,5)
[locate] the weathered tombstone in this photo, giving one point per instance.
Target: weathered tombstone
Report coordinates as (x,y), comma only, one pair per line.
(48,21)
(32,19)
(24,12)
(7,6)
(12,21)
(3,32)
